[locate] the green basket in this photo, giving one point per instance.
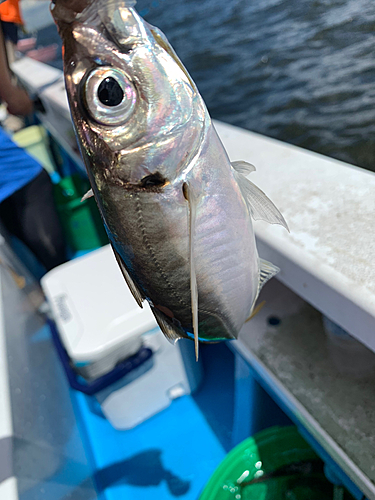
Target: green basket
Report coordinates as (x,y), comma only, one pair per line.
(275,464)
(81,220)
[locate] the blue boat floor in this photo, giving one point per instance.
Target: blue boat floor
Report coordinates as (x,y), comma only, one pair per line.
(174,453)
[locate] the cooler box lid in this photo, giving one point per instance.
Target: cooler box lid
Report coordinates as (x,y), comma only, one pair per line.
(94,310)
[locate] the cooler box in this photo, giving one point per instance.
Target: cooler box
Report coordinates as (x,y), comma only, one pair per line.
(102,330)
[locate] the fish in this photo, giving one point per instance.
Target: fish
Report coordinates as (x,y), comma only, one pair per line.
(178,213)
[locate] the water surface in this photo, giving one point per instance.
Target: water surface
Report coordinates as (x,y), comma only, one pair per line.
(300,71)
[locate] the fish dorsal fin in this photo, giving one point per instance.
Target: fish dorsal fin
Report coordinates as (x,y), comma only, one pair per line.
(171,331)
(138,296)
(258,203)
(243,167)
(266,272)
(192,201)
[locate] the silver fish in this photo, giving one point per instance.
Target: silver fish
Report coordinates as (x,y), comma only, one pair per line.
(176,210)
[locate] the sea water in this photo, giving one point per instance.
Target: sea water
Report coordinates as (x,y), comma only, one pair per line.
(301,72)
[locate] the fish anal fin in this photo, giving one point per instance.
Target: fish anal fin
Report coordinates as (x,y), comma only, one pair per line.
(192,201)
(259,205)
(266,272)
(171,331)
(138,296)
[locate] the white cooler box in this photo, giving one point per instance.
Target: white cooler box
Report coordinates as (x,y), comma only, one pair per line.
(100,325)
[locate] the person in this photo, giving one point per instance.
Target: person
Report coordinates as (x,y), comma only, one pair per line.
(27,208)
(11,20)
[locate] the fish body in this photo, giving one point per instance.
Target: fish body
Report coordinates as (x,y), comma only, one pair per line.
(177,212)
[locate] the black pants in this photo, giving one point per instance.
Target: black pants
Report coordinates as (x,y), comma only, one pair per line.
(30,214)
(10,31)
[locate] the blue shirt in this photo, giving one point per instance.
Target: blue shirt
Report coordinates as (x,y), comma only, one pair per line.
(17,168)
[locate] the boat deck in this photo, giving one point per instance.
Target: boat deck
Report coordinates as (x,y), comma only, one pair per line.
(174,453)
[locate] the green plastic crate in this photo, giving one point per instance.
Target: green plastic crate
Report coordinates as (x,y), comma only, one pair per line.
(81,220)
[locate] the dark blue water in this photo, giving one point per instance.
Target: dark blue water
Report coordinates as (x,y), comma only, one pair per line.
(302,71)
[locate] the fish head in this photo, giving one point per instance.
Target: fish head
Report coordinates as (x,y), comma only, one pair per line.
(138,115)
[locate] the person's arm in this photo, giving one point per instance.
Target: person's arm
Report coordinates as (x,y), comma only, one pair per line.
(19,103)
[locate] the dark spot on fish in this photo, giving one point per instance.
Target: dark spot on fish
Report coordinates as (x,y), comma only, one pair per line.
(153,183)
(110,93)
(152,180)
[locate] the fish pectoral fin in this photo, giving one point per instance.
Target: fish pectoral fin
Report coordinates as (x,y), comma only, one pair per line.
(266,272)
(138,296)
(171,331)
(258,203)
(243,167)
(192,201)
(88,195)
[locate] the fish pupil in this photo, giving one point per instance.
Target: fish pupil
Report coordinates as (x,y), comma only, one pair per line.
(110,93)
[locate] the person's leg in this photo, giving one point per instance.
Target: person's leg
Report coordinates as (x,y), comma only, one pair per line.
(30,214)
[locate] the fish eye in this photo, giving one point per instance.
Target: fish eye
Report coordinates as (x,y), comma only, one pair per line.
(109,95)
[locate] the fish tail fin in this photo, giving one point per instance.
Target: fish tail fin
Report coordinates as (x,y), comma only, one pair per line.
(193,277)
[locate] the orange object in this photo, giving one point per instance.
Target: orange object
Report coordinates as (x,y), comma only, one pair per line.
(10,12)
